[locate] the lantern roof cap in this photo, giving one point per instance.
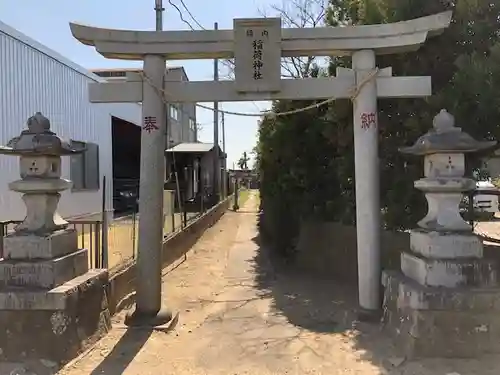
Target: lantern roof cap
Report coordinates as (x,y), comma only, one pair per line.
(445,137)
(38,139)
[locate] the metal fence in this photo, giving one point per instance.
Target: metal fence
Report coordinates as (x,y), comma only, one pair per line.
(115,242)
(89,237)
(123,239)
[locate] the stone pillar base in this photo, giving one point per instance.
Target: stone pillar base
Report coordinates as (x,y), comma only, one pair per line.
(31,246)
(440,322)
(53,325)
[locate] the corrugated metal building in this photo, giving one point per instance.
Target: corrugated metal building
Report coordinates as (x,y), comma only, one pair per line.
(34,78)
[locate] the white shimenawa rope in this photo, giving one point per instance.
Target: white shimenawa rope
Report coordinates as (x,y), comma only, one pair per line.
(355,92)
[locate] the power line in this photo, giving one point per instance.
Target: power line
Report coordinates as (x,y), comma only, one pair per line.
(191,14)
(227,63)
(231,64)
(181,16)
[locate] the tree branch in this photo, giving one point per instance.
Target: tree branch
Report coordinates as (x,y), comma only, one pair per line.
(298,14)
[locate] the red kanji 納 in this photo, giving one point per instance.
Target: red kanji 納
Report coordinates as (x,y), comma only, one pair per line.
(368,119)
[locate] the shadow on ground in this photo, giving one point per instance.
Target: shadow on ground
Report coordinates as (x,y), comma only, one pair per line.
(319,305)
(123,353)
(324,306)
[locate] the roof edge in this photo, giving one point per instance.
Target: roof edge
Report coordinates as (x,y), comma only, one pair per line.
(32,43)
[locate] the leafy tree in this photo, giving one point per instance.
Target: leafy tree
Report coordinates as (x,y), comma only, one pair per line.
(464,71)
(306,160)
(243,161)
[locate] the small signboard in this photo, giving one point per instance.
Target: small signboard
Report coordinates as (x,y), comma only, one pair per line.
(257,54)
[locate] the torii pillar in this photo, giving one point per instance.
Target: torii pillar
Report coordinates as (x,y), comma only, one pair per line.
(257,46)
(149,259)
(367,176)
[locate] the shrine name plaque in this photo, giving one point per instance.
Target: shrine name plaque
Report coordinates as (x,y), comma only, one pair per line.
(257,54)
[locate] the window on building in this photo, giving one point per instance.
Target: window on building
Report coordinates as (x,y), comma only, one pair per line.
(174,112)
(192,124)
(84,168)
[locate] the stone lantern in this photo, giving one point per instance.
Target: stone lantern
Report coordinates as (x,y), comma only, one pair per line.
(445,301)
(40,152)
(44,276)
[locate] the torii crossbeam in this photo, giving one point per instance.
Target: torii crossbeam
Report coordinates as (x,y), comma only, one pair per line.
(210,44)
(257,46)
(340,87)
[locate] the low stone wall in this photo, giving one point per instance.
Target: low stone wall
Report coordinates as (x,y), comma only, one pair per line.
(330,250)
(122,281)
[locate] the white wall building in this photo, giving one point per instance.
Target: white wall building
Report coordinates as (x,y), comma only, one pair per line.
(34,78)
(182,116)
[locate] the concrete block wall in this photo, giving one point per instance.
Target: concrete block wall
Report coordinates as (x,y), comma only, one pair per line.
(121,285)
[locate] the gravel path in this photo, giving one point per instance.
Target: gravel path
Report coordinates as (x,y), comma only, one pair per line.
(242,314)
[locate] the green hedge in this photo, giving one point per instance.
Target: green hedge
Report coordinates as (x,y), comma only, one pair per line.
(306,162)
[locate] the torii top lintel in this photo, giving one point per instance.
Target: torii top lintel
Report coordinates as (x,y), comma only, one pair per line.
(208,44)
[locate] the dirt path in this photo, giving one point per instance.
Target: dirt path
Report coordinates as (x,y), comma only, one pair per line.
(242,314)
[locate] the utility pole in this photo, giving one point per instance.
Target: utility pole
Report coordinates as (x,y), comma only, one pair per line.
(159,27)
(223,132)
(216,177)
(159,14)
(224,188)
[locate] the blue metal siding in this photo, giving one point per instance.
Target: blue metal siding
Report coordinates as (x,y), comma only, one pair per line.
(31,81)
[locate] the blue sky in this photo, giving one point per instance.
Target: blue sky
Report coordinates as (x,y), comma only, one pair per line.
(47,22)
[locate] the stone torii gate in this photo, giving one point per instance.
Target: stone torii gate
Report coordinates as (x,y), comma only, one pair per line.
(257,46)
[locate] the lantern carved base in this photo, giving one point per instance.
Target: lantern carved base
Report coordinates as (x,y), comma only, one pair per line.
(53,325)
(441,322)
(52,307)
(445,301)
(31,246)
